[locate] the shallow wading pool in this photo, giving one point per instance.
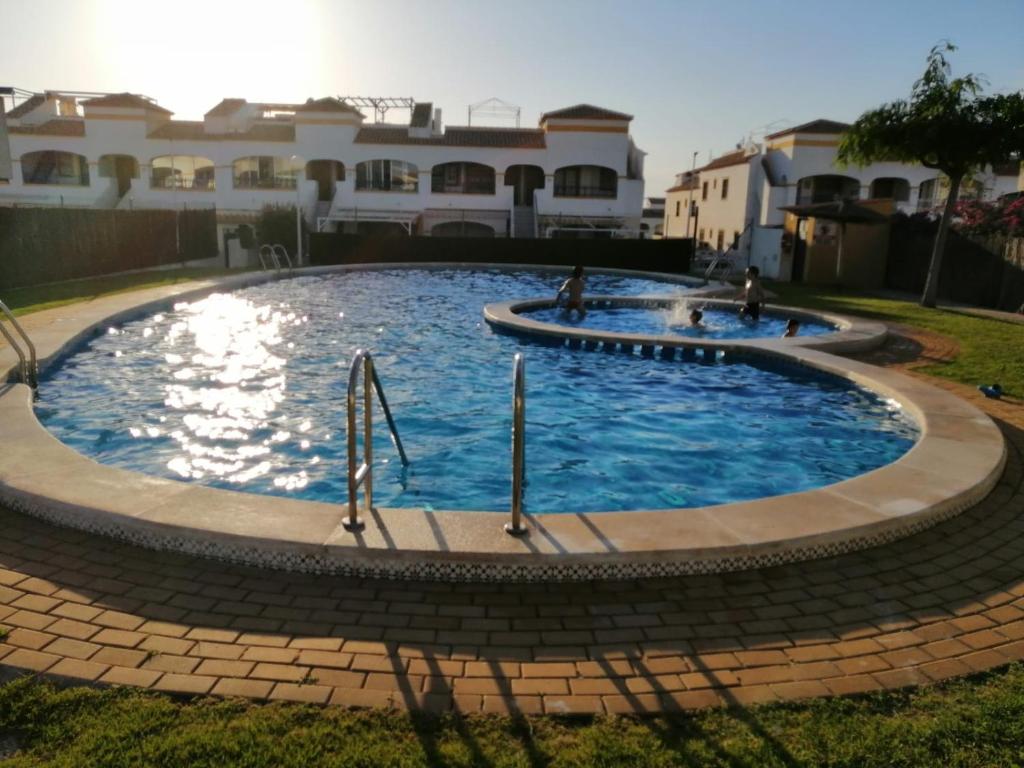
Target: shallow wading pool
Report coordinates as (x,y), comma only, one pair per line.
(716,323)
(246,390)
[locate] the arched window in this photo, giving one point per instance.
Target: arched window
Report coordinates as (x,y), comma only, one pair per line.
(387,176)
(586,181)
(826,188)
(55,167)
(462,179)
(266,172)
(892,188)
(182,172)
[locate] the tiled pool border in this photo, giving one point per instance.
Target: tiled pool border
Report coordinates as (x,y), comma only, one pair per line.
(955,464)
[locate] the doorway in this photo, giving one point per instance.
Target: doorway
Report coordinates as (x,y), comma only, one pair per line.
(524,179)
(326,174)
(799,251)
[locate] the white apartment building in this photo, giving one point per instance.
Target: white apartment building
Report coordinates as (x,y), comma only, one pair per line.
(679,200)
(739,194)
(578,174)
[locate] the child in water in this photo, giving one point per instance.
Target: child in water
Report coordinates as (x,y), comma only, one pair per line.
(752,295)
(792,328)
(573,290)
(695,318)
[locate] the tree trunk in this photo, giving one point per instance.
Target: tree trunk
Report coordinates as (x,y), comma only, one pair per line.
(931,285)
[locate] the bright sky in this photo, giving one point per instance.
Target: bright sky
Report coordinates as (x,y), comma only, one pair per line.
(699,75)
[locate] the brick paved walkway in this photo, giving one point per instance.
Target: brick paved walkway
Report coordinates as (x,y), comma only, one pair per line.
(946,602)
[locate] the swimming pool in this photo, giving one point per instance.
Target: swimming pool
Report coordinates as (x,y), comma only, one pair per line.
(717,322)
(246,391)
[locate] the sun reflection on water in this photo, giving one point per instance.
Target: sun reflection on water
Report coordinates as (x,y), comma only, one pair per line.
(228,389)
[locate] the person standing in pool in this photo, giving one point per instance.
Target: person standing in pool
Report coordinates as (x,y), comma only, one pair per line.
(752,295)
(572,289)
(792,328)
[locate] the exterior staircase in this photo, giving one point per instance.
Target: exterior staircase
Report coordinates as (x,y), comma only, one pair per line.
(523,222)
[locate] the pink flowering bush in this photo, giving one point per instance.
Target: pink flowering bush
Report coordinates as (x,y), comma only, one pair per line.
(1002,217)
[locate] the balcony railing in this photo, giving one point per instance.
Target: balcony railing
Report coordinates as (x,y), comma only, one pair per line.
(576,191)
(184,182)
(276,182)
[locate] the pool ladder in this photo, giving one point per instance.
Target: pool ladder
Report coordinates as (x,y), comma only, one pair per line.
(272,256)
(360,471)
(28,367)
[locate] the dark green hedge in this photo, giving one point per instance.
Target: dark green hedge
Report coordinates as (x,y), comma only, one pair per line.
(45,245)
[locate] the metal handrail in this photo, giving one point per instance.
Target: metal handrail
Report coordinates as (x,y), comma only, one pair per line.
(29,368)
(516,527)
(284,252)
(264,251)
(361,473)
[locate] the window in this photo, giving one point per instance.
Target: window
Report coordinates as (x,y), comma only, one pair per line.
(387,176)
(54,167)
(701,235)
(704,191)
(725,188)
(826,188)
(678,202)
(182,172)
(721,239)
(462,178)
(735,239)
(263,172)
(586,181)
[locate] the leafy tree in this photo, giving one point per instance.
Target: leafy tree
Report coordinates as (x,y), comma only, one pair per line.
(946,124)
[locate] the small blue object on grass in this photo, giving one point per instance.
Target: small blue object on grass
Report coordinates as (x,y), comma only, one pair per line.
(993,390)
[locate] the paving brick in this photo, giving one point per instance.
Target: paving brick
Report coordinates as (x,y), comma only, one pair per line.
(311,694)
(77,669)
(75,649)
(224,668)
(282,672)
(29,660)
(186,684)
(140,678)
(165,662)
(118,637)
(29,638)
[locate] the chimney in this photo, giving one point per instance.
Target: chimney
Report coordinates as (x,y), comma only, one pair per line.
(437,126)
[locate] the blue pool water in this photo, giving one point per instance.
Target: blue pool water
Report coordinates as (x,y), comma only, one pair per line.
(716,323)
(246,391)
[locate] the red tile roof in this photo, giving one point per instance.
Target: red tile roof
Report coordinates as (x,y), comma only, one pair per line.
(27,105)
(192,130)
(585,112)
(327,104)
(738,157)
(685,186)
(815,126)
(129,100)
(510,138)
(55,127)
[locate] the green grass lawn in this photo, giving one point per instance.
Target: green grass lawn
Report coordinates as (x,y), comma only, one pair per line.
(990,350)
(977,722)
(22,301)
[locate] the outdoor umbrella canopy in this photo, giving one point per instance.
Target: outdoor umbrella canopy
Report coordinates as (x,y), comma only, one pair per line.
(842,211)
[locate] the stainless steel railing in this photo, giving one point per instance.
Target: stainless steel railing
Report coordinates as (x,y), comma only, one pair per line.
(280,251)
(361,472)
(516,527)
(28,368)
